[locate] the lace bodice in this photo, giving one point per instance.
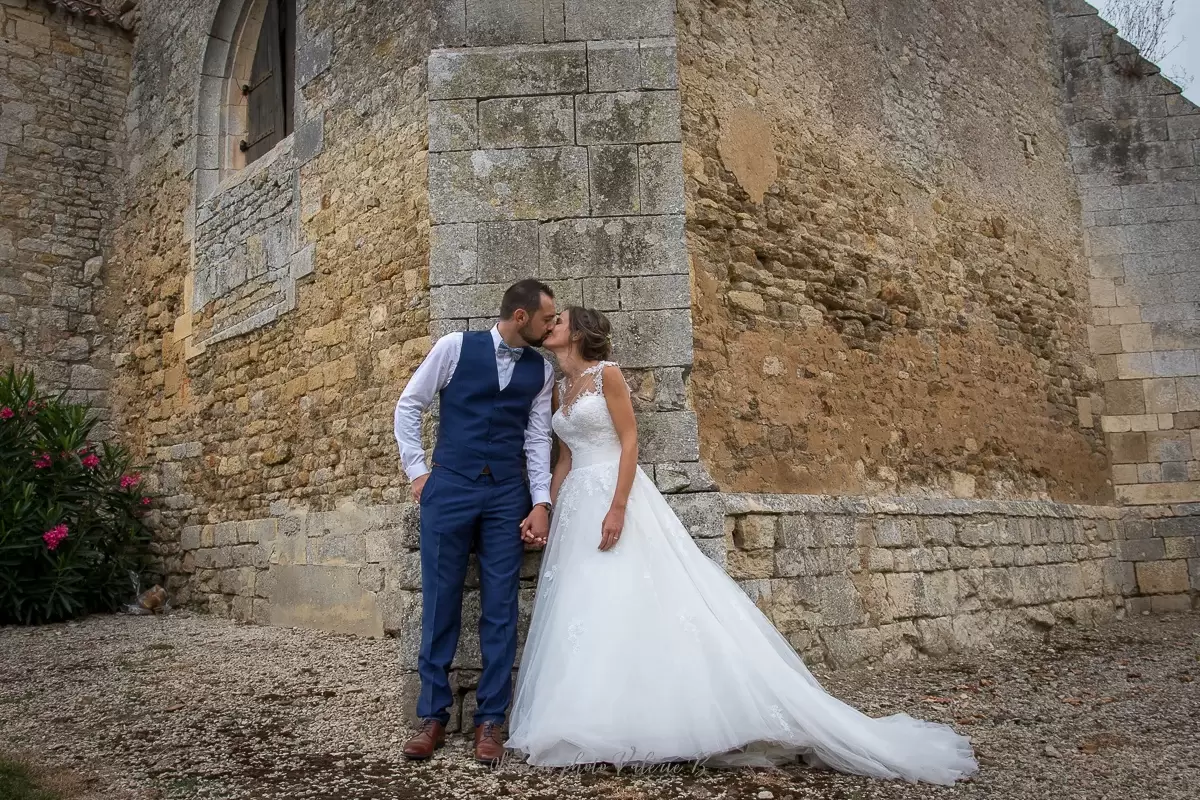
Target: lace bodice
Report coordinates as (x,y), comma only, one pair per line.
(582,420)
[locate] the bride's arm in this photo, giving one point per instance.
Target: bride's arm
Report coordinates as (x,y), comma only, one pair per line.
(563,465)
(620,408)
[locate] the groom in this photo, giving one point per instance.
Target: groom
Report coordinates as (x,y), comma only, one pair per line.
(494,392)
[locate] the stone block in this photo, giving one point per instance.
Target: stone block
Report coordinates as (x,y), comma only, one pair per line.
(683,476)
(798,531)
(622,246)
(1105,339)
(522,183)
(544,121)
(668,436)
(1160,394)
(661,175)
(628,117)
(702,513)
(553,21)
(1168,446)
(615,19)
(403,573)
(507,250)
(756,532)
(449,22)
(1174,363)
(313,57)
(1162,577)
(750,564)
(453,125)
(603,294)
(940,532)
(508,71)
(309,140)
(1174,471)
(614,179)
(1142,550)
(472,300)
(656,292)
(1181,547)
(897,532)
(714,549)
(614,66)
(1177,526)
(453,254)
(330,598)
(659,67)
(799,562)
(494,22)
(1128,448)
(1168,604)
(1188,393)
(937,594)
(652,338)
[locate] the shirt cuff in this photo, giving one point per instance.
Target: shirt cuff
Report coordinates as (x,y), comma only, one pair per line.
(416,471)
(542,496)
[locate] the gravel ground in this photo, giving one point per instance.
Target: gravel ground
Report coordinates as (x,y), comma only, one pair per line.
(187,706)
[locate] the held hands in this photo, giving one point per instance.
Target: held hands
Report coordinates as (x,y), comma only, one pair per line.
(535,529)
(610,529)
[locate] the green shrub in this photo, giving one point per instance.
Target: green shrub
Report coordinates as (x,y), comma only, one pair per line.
(72,537)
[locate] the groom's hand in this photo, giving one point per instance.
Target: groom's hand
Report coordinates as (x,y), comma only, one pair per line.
(535,529)
(417,486)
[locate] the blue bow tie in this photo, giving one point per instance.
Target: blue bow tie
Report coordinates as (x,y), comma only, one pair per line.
(515,352)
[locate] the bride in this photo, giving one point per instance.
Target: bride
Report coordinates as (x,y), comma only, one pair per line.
(642,650)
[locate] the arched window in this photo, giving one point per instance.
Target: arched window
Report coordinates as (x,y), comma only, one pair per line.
(270,87)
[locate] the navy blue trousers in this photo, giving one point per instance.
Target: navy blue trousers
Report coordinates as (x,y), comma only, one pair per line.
(457,514)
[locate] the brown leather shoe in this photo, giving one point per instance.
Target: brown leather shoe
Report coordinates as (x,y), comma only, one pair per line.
(429,737)
(489,746)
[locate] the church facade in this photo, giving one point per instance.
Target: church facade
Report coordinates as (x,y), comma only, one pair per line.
(909,299)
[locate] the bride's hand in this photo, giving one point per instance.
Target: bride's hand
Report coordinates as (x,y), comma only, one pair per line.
(610,529)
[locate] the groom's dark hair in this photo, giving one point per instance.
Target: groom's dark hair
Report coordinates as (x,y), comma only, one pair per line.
(526,294)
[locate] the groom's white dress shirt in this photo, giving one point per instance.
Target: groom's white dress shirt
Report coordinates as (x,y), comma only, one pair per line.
(432,376)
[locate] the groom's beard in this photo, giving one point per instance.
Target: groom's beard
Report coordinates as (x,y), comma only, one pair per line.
(532,342)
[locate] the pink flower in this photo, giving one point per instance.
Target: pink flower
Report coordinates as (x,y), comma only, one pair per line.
(129,481)
(31,406)
(42,462)
(145,501)
(54,536)
(91,461)
(7,413)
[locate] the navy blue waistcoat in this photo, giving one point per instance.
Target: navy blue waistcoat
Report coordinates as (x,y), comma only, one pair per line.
(480,425)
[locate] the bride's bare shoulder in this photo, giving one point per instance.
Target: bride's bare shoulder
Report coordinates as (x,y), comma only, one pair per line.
(613,377)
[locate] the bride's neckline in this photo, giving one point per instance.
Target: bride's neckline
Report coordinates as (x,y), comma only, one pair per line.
(584,391)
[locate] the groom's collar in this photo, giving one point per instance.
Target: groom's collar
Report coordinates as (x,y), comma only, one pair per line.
(497,339)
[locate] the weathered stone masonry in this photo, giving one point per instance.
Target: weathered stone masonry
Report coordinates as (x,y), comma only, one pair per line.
(63,82)
(840,265)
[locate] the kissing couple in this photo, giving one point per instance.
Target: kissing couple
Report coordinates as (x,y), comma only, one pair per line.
(641,649)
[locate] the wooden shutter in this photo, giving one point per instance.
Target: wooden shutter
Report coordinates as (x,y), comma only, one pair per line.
(268,123)
(287,19)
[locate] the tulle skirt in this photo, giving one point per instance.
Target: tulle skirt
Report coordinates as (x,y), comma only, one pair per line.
(649,653)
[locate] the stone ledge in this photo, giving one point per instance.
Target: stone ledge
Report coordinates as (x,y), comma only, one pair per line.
(747,503)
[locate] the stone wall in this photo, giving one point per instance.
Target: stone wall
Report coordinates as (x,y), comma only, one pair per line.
(554,153)
(239,404)
(63,82)
(847,580)
(889,294)
(1135,143)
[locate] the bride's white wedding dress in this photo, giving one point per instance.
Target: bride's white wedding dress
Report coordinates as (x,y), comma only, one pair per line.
(649,653)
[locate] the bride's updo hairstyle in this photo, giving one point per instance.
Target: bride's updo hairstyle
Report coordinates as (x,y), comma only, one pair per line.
(591,330)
